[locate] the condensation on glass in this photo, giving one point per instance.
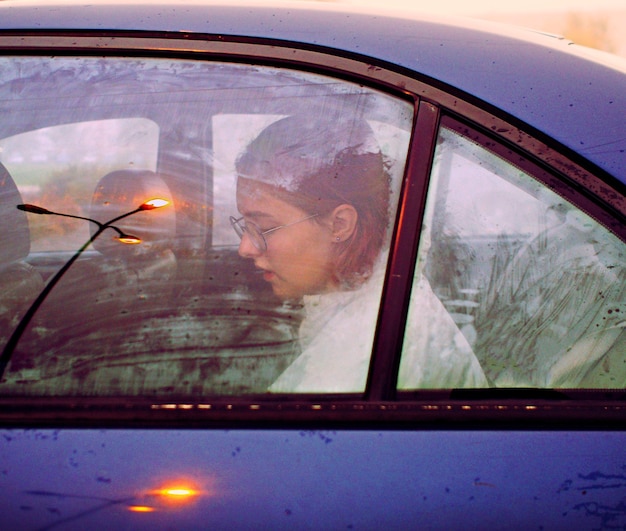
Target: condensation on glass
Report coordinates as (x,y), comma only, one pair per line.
(179,314)
(536,287)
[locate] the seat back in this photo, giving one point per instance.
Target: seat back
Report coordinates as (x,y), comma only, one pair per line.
(19,282)
(14,236)
(112,282)
(122,191)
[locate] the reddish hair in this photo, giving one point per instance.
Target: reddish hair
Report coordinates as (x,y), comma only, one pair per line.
(317,165)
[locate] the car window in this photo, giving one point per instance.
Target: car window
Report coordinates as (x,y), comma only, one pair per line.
(179,228)
(61,165)
(530,286)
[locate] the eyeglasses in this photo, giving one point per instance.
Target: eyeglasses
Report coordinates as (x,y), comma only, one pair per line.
(257,236)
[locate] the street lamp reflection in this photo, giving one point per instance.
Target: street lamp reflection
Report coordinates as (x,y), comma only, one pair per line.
(180,493)
(154,203)
(151,204)
(122,236)
(174,495)
(129,240)
(141,509)
(171,496)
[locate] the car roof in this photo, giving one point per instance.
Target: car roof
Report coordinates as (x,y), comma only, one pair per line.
(574,95)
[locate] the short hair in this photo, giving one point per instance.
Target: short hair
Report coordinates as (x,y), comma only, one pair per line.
(318,164)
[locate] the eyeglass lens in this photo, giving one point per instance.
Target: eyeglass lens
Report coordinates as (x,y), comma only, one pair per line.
(241,227)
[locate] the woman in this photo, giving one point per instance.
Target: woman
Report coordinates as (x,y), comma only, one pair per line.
(314,199)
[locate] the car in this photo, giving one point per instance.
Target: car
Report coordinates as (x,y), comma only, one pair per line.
(161,370)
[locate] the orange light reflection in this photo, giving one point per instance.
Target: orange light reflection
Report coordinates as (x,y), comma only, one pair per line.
(141,509)
(177,493)
(131,240)
(154,203)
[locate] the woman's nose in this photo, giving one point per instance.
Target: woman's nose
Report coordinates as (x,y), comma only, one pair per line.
(247,249)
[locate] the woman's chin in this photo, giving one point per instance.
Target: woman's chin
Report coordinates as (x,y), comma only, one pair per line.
(285,294)
(282,294)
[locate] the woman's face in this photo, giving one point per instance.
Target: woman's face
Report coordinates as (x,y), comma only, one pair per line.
(299,259)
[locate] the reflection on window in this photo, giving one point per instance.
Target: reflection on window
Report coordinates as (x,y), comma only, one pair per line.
(536,287)
(310,166)
(328,184)
(59,166)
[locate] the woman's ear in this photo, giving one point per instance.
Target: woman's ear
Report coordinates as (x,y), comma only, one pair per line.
(343,222)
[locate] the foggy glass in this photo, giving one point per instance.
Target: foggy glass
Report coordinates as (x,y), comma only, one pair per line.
(180,314)
(536,286)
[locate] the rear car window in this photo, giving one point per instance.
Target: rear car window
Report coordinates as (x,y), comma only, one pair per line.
(136,193)
(535,285)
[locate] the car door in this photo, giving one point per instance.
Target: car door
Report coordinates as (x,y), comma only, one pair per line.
(137,377)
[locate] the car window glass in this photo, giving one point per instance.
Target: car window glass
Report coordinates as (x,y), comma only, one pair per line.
(190,229)
(392,139)
(534,287)
(61,165)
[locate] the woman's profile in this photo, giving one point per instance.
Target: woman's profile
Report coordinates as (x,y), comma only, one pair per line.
(313,196)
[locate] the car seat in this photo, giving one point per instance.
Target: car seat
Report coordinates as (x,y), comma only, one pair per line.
(20,283)
(114,282)
(123,191)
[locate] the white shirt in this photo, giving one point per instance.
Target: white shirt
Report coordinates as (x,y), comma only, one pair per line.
(337,335)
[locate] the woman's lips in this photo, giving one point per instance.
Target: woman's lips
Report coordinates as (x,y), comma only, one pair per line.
(268,276)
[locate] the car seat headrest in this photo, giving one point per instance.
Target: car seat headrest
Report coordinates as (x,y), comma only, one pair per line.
(123,191)
(15,234)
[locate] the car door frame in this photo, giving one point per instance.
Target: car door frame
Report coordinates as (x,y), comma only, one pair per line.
(380,405)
